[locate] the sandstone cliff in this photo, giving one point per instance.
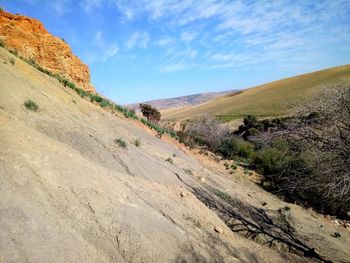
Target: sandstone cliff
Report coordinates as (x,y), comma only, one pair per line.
(31,40)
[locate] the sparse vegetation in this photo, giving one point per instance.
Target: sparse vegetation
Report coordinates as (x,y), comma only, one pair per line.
(170,160)
(307,158)
(31,105)
(2,43)
(121,143)
(14,52)
(104,103)
(12,61)
(224,196)
(188,171)
(234,166)
(137,142)
(304,157)
(129,113)
(336,235)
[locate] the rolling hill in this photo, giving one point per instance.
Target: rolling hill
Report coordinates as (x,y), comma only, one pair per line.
(267,100)
(177,102)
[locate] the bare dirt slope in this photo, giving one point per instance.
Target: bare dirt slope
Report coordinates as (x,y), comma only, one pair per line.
(69,193)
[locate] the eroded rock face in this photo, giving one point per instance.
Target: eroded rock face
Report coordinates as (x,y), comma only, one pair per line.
(31,40)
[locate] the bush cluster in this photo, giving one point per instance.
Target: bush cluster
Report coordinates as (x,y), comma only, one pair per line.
(121,143)
(304,157)
(31,105)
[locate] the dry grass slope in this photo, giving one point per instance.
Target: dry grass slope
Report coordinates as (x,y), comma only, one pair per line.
(267,100)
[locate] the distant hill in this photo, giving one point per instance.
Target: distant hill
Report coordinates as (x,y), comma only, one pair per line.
(267,100)
(189,100)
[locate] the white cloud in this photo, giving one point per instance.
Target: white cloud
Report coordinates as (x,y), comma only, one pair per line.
(188,36)
(237,33)
(111,52)
(98,39)
(90,5)
(60,7)
(138,39)
(165,42)
(176,67)
(108,50)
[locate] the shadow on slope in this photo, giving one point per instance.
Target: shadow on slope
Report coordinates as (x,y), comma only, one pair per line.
(254,223)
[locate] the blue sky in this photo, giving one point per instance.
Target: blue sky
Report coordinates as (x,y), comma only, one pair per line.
(139,50)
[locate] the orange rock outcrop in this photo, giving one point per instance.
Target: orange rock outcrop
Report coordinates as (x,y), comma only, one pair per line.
(31,40)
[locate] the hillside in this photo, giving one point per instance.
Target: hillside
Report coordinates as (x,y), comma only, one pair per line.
(267,100)
(69,193)
(189,100)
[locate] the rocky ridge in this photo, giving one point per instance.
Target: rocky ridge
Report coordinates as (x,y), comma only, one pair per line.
(29,38)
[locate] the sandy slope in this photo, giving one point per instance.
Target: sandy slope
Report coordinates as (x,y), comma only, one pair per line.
(68,193)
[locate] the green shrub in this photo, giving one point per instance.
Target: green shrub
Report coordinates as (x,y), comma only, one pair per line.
(169,160)
(14,52)
(232,147)
(31,105)
(234,166)
(121,143)
(95,97)
(137,142)
(130,113)
(118,108)
(31,62)
(270,161)
(172,133)
(105,103)
(71,85)
(82,93)
(188,171)
(336,235)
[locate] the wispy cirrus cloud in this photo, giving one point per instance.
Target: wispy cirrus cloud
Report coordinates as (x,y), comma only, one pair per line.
(188,36)
(110,52)
(106,50)
(165,42)
(91,5)
(235,28)
(138,39)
